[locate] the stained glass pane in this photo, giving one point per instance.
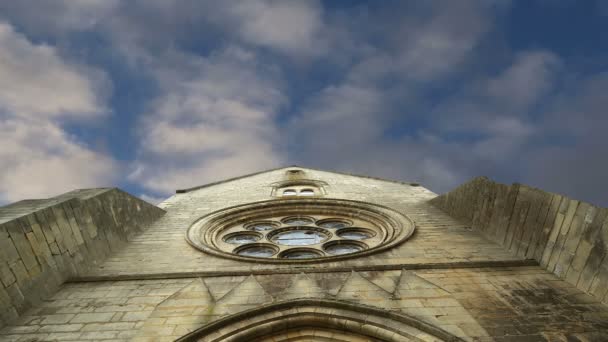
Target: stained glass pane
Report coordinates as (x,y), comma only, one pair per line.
(262,226)
(299,237)
(242,238)
(257,251)
(343,248)
(355,234)
(333,224)
(297,221)
(302,254)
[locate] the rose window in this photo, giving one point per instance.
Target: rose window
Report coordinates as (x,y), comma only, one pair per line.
(302,230)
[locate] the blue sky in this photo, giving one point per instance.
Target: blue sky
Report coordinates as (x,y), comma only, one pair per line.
(153,96)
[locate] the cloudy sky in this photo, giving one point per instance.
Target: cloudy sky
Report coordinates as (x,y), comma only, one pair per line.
(156,95)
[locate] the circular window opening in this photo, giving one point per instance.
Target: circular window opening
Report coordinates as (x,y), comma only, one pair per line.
(241,238)
(356,233)
(341,248)
(299,236)
(300,253)
(269,231)
(257,251)
(333,223)
(297,220)
(261,226)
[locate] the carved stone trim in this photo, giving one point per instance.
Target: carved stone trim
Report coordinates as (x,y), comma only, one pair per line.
(286,316)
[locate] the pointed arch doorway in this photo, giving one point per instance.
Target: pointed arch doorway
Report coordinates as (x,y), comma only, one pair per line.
(322,320)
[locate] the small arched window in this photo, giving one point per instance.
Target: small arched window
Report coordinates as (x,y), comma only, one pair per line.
(290,192)
(300,188)
(307,192)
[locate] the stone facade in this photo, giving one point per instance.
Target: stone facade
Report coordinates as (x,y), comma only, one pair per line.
(132,276)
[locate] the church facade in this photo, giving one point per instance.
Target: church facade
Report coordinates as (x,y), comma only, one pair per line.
(298,254)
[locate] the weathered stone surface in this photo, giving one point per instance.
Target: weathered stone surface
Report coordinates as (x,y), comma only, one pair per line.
(554,264)
(18,269)
(41,245)
(57,319)
(549,221)
(357,288)
(301,286)
(387,280)
(563,235)
(6,276)
(21,244)
(249,293)
(94,317)
(8,252)
(534,225)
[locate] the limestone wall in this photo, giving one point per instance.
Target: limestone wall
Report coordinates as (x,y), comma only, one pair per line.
(164,243)
(567,237)
(45,242)
(472,304)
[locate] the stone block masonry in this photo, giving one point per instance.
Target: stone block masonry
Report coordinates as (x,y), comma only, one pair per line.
(567,237)
(473,304)
(45,242)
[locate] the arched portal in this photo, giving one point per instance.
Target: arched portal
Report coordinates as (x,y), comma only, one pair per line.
(320,320)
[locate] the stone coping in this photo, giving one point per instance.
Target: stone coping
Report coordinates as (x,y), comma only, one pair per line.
(45,242)
(567,237)
(297,270)
(183,191)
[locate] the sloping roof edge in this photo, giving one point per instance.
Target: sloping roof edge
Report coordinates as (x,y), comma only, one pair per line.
(182,191)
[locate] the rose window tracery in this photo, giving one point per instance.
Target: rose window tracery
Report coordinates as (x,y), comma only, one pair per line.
(299,230)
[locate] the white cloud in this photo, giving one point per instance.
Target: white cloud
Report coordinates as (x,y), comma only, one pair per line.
(576,119)
(348,125)
(57,17)
(578,111)
(340,117)
(289,26)
(293,28)
(166,173)
(503,139)
(216,113)
(529,78)
(36,81)
(500,104)
(441,36)
(152,199)
(343,128)
(40,160)
(214,119)
(417,43)
(38,87)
